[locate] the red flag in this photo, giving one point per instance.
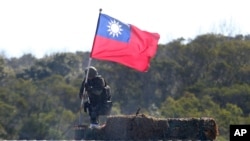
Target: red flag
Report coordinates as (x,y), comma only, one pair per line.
(124,43)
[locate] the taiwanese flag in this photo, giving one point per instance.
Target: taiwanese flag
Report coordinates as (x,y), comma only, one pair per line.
(124,43)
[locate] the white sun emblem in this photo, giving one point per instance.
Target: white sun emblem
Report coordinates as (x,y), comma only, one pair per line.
(114,28)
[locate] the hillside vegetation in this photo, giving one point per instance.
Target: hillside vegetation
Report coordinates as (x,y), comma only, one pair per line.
(208,76)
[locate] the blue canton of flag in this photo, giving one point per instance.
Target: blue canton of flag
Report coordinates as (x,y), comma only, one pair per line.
(112,28)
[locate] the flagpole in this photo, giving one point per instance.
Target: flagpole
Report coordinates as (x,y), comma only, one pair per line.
(83,99)
(98,21)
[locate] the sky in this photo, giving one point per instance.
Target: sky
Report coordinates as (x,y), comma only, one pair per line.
(45,27)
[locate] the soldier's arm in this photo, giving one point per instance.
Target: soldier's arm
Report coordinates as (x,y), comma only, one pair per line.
(81,89)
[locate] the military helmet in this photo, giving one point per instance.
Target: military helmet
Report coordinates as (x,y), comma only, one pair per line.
(92,72)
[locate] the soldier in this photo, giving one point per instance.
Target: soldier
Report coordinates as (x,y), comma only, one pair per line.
(97,91)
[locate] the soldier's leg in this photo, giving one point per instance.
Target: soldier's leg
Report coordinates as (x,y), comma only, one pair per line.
(94,117)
